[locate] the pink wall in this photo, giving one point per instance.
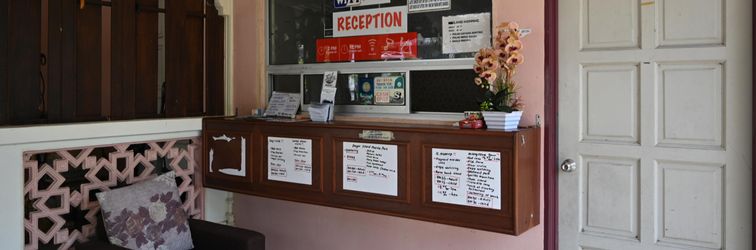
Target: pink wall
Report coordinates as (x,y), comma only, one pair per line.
(249,49)
(289,225)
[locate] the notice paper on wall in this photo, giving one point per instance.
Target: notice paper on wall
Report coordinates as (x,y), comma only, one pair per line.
(370,168)
(428,5)
(467,178)
(389,90)
(283,105)
(290,160)
(466,33)
(328,94)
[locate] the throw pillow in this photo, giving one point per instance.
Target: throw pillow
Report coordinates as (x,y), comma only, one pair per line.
(146,215)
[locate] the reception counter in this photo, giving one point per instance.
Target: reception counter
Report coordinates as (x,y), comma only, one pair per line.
(481,179)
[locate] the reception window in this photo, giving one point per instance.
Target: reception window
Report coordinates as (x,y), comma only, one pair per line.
(392,56)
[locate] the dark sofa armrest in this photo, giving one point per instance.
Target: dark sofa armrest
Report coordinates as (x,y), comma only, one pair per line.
(209,235)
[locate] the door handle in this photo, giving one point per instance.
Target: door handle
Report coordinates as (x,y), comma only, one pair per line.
(568,166)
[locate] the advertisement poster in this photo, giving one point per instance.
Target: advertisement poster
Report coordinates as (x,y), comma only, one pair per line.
(466,33)
(428,5)
(366,90)
(367,48)
(370,22)
(354,3)
(389,90)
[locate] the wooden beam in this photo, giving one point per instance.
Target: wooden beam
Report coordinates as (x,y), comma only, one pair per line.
(551,138)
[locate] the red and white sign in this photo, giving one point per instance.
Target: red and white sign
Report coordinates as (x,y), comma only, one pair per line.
(370,22)
(368,48)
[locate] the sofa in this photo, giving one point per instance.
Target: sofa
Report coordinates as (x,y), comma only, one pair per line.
(205,235)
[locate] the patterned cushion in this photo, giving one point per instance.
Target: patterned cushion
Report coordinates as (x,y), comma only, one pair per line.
(146,215)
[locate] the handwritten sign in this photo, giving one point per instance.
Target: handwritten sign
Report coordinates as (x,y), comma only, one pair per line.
(283,105)
(467,178)
(290,160)
(370,22)
(370,168)
(466,33)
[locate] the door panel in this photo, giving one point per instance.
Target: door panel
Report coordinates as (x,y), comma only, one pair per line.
(655,110)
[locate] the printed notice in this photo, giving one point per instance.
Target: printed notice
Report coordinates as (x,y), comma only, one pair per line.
(466,33)
(283,105)
(328,94)
(370,168)
(467,178)
(290,160)
(428,5)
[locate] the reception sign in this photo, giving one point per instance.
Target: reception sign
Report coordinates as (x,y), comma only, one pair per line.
(370,22)
(367,48)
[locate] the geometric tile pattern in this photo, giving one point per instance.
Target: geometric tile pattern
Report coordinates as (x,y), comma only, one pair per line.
(60,185)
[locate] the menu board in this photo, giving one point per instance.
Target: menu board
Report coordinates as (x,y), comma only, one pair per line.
(290,160)
(467,178)
(370,168)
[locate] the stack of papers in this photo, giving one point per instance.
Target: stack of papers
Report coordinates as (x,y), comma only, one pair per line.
(321,112)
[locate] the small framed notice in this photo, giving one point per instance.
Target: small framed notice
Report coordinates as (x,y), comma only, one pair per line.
(467,178)
(290,160)
(371,168)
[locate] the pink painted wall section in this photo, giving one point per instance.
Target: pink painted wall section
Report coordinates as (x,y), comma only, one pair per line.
(249,54)
(289,225)
(293,226)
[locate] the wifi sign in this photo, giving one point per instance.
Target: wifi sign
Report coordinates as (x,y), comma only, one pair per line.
(346,3)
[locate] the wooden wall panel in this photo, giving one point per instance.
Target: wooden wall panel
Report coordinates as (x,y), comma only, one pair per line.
(214,62)
(184,58)
(89,62)
(25,98)
(122,94)
(4,61)
(61,61)
(194,53)
(146,85)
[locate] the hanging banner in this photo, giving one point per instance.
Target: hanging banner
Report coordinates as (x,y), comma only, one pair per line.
(354,3)
(428,5)
(367,48)
(466,33)
(370,22)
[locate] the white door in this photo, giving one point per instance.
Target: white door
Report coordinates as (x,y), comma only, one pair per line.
(655,110)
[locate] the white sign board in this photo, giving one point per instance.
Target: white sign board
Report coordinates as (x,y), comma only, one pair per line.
(466,33)
(428,5)
(370,22)
(467,178)
(370,168)
(283,105)
(355,3)
(290,160)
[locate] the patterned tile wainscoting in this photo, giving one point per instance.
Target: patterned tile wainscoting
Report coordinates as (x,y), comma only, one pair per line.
(60,207)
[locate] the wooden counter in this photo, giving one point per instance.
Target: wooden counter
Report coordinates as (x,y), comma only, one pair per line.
(418,171)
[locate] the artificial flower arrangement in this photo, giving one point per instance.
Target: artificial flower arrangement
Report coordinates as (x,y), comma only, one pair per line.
(496,68)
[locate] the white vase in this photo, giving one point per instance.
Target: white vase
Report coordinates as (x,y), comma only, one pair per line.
(502,120)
